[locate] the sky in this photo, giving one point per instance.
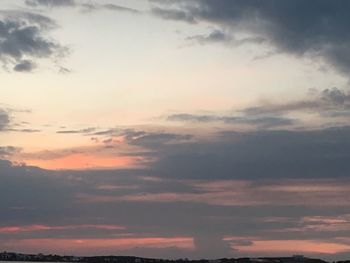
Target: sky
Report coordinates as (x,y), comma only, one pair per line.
(173,129)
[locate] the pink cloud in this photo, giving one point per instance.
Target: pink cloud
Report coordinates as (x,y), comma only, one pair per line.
(320,224)
(238,192)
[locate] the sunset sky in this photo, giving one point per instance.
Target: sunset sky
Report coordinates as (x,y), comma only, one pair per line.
(169,129)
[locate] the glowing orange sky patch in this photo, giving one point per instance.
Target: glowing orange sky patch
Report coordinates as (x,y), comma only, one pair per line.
(85,161)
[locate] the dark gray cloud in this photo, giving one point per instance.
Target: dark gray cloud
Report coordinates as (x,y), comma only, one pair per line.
(261,154)
(332,102)
(173,14)
(220,36)
(193,117)
(23,130)
(24,66)
(6,151)
(141,138)
(112,131)
(50,3)
(312,28)
(24,39)
(20,186)
(335,96)
(153,139)
(83,131)
(7,123)
(4,119)
(260,121)
(214,36)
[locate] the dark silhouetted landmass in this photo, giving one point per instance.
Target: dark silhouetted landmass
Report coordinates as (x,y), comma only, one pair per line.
(11,256)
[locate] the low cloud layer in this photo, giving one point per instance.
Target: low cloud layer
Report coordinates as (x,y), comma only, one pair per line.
(240,190)
(168,217)
(225,154)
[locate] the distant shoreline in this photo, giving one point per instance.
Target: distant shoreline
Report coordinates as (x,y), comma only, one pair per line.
(20,257)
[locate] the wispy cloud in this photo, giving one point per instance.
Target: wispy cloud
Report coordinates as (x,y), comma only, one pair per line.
(328,104)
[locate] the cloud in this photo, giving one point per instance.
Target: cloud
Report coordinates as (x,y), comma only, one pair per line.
(140,137)
(287,247)
(6,151)
(173,14)
(335,96)
(4,119)
(211,246)
(153,139)
(86,130)
(317,29)
(261,122)
(226,154)
(214,36)
(34,228)
(77,205)
(330,105)
(50,3)
(91,6)
(23,130)
(245,193)
(332,102)
(220,36)
(112,131)
(111,148)
(24,66)
(24,39)
(114,7)
(7,123)
(260,154)
(27,181)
